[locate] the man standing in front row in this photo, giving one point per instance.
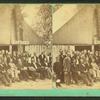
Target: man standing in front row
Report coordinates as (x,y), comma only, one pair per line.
(57,70)
(61,58)
(66,69)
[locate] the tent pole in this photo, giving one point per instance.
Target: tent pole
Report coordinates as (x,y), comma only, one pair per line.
(92,48)
(10,48)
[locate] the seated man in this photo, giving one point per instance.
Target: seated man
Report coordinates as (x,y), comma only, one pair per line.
(95,70)
(83,73)
(13,71)
(44,71)
(44,65)
(57,71)
(74,70)
(32,69)
(48,65)
(4,77)
(22,66)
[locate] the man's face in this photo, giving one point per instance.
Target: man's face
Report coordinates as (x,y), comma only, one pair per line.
(6,51)
(34,54)
(61,52)
(3,51)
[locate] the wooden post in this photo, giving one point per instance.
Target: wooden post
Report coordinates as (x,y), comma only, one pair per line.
(20,48)
(10,48)
(92,48)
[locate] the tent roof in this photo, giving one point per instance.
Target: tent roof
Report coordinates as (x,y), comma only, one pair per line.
(30,35)
(78,30)
(7,30)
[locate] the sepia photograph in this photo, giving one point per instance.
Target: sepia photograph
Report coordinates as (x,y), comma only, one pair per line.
(76,46)
(25,46)
(48,46)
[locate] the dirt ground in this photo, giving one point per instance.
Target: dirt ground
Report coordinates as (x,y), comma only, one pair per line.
(38,84)
(47,84)
(80,86)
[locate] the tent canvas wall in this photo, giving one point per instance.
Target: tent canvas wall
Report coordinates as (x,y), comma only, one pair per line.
(78,31)
(8,32)
(6,25)
(35,42)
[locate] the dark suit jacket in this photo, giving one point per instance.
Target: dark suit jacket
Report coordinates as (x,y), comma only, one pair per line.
(32,65)
(57,67)
(82,68)
(42,59)
(67,64)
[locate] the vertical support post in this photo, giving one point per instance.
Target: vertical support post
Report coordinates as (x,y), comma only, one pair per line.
(10,48)
(92,48)
(20,48)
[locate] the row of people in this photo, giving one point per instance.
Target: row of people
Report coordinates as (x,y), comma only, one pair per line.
(16,67)
(77,67)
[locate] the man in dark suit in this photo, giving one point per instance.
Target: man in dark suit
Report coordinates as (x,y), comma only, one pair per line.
(57,69)
(35,57)
(32,69)
(43,62)
(83,69)
(42,58)
(49,60)
(4,78)
(40,69)
(67,69)
(24,67)
(74,69)
(61,58)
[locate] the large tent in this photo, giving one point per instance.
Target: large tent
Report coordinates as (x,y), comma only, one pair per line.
(6,27)
(8,30)
(79,30)
(35,41)
(30,35)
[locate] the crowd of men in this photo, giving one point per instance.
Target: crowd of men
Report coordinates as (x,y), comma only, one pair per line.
(77,67)
(70,67)
(15,67)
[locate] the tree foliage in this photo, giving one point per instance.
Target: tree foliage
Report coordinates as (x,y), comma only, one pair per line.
(44,24)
